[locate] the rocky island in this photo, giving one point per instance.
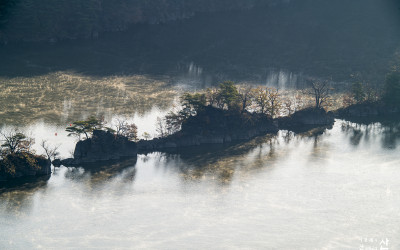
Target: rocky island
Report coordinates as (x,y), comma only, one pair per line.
(18,159)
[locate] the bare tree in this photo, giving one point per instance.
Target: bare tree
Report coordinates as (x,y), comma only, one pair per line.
(124,128)
(161,127)
(246,95)
(274,103)
(51,151)
(289,105)
(320,90)
(261,98)
(214,98)
(15,142)
(85,127)
(268,100)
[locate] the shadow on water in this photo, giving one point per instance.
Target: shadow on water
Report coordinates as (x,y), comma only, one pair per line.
(220,162)
(100,173)
(363,129)
(18,195)
(24,183)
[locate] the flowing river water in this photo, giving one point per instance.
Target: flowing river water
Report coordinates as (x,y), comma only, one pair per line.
(329,189)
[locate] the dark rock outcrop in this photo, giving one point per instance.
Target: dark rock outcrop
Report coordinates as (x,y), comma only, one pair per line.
(17,166)
(103,146)
(305,119)
(214,126)
(367,110)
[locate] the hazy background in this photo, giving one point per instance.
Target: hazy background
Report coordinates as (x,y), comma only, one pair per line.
(238,40)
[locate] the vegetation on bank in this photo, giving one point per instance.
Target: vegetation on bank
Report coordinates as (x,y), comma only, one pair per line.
(120,127)
(274,103)
(241,99)
(17,157)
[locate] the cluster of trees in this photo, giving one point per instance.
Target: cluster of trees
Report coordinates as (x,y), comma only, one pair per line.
(240,99)
(269,101)
(16,153)
(119,127)
(362,92)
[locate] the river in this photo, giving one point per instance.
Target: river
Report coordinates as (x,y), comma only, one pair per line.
(327,190)
(331,189)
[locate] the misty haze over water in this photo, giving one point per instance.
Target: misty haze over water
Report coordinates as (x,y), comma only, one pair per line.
(64,60)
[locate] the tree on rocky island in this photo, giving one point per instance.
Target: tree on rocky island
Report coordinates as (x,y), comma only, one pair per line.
(213,98)
(15,142)
(126,129)
(50,151)
(274,103)
(16,153)
(192,103)
(261,99)
(246,95)
(320,90)
(268,100)
(85,127)
(172,122)
(229,95)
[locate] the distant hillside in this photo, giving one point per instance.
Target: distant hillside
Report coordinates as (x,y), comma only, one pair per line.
(32,20)
(246,38)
